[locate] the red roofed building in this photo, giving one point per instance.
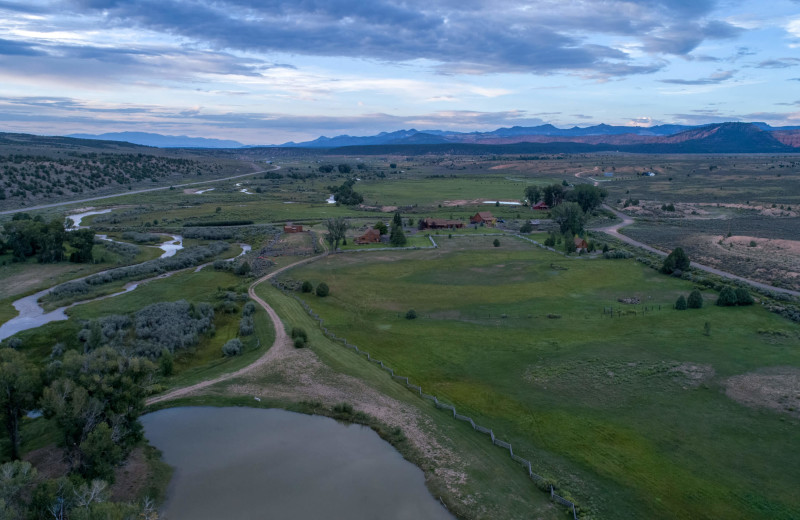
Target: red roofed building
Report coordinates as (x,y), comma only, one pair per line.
(372,236)
(484,217)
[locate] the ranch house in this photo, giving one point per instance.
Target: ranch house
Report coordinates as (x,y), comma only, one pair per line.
(372,236)
(292,228)
(484,217)
(440,223)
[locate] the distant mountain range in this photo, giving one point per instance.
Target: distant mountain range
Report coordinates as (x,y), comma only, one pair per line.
(595,135)
(161,141)
(715,138)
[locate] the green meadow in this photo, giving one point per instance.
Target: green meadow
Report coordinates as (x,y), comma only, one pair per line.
(628,414)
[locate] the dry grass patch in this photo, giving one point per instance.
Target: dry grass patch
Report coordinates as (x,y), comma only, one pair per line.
(776,388)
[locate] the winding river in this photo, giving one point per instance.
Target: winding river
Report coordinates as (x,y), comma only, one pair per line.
(32,315)
(249,463)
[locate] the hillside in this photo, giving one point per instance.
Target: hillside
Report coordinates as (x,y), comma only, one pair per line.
(37,169)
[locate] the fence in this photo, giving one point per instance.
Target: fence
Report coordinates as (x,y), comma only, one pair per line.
(444,406)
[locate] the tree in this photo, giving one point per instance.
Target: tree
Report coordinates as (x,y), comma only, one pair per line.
(675,261)
(397,238)
(411,314)
(337,227)
(532,194)
(344,168)
(727,297)
(397,220)
(82,240)
(381,226)
(587,196)
(527,227)
(681,303)
(306,287)
(743,296)
(101,387)
(20,386)
(695,300)
(496,242)
(323,290)
(553,195)
(569,216)
(243,269)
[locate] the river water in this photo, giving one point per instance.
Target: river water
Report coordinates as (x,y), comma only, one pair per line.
(248,463)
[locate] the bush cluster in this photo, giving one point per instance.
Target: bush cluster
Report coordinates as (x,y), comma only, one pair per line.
(185,258)
(300,337)
(232,347)
(729,297)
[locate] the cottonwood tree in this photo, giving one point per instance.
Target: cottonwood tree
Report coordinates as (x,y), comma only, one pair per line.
(95,401)
(570,217)
(587,196)
(20,386)
(533,193)
(337,227)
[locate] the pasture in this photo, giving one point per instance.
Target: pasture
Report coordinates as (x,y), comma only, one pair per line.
(628,413)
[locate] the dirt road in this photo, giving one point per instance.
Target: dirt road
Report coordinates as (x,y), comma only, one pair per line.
(134,192)
(613,230)
(281,343)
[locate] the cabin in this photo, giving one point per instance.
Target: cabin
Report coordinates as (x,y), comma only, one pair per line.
(372,236)
(440,223)
(483,217)
(292,228)
(581,244)
(540,206)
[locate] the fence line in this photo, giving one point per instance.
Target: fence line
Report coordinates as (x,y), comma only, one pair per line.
(418,390)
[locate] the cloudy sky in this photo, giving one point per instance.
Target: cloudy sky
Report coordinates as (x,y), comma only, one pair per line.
(271,71)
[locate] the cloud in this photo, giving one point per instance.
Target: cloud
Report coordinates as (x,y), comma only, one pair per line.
(473,36)
(778,63)
(16,48)
(713,79)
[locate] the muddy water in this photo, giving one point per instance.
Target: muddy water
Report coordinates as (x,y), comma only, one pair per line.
(247,463)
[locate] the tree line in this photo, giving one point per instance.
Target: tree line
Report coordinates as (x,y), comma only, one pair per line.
(27,237)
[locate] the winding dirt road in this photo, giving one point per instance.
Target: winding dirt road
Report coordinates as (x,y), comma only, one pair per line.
(613,230)
(281,343)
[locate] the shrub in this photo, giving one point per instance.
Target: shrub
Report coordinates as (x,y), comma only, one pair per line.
(299,343)
(232,348)
(681,303)
(695,300)
(675,261)
(246,326)
(343,408)
(323,290)
(496,242)
(248,309)
(727,297)
(743,296)
(526,228)
(307,287)
(298,332)
(411,315)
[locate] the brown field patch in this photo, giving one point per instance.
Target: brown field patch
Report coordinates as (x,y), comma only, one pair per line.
(776,388)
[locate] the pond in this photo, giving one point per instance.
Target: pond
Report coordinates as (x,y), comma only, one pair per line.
(249,463)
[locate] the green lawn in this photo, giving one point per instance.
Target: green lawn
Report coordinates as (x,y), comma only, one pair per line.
(629,413)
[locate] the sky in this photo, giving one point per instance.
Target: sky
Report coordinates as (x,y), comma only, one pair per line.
(273,71)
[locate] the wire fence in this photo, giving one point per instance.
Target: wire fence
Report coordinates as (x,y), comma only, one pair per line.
(538,479)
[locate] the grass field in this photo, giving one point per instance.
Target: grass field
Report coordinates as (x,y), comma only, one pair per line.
(628,413)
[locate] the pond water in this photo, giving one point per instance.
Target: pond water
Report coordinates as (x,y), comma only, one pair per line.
(503,202)
(249,463)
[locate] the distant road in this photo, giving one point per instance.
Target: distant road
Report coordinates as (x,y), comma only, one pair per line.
(133,192)
(613,230)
